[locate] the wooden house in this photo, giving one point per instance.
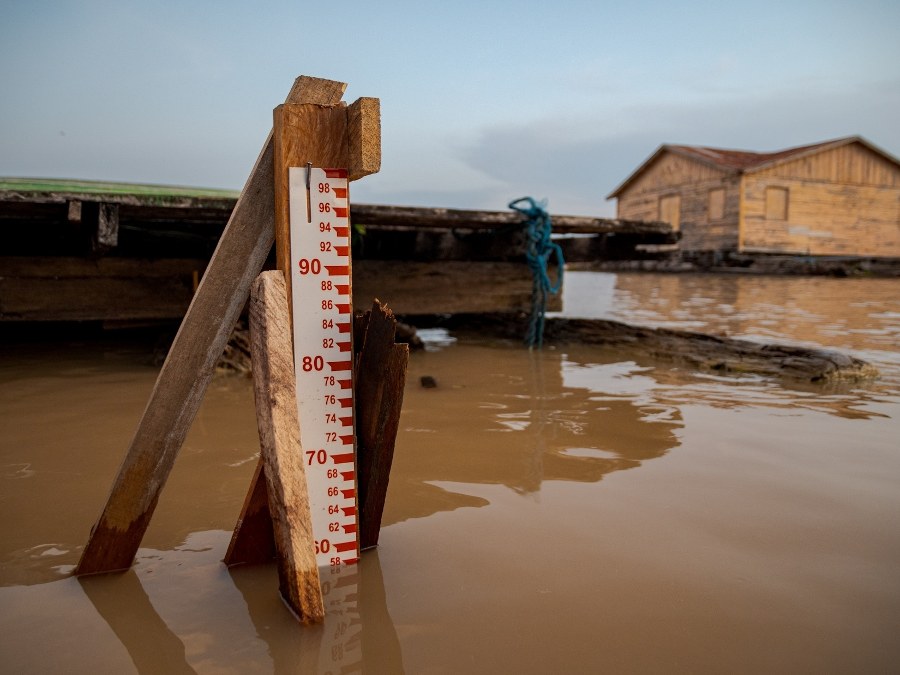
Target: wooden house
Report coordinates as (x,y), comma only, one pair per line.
(838,198)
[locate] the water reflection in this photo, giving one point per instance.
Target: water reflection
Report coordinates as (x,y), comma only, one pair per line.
(124,605)
(357,635)
(832,312)
(531,417)
(857,315)
(235,621)
(670,387)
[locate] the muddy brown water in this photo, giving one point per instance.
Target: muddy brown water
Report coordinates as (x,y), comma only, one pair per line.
(572,510)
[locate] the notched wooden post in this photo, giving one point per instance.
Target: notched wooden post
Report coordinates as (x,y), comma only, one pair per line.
(279,436)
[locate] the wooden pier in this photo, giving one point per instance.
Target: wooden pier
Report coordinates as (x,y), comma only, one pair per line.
(81,250)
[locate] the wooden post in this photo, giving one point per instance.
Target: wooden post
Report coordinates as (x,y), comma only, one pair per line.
(321,136)
(189,366)
(380,377)
(326,136)
(102,218)
(73,211)
(106,236)
(279,437)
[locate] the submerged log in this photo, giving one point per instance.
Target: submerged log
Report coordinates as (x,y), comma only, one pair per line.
(717,354)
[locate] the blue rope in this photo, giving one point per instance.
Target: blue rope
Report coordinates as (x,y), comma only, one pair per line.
(538,252)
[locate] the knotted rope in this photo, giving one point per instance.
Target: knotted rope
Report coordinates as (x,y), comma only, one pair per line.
(538,252)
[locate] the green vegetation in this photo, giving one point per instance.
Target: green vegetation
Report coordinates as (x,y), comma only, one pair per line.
(108,188)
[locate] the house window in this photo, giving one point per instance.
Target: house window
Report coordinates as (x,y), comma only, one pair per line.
(716,206)
(670,210)
(776,203)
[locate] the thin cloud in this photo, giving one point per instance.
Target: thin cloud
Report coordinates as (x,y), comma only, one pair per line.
(577,167)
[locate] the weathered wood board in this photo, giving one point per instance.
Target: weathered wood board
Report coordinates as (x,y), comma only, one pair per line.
(448,287)
(467,219)
(381,376)
(82,289)
(274,389)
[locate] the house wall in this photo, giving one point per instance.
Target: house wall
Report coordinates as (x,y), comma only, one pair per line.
(648,196)
(844,201)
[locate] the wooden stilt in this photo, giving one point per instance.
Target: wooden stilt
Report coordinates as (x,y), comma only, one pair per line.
(186,373)
(279,437)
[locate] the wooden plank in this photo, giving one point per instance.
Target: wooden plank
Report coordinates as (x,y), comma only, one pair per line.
(364,138)
(146,204)
(279,435)
(380,378)
(106,236)
(83,289)
(377,215)
(188,368)
(68,268)
(316,90)
(446,287)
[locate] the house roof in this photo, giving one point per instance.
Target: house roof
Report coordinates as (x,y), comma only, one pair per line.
(745,161)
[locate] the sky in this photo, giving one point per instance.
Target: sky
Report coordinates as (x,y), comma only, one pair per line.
(482,102)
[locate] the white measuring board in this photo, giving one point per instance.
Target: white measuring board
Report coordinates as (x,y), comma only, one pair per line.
(323,355)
